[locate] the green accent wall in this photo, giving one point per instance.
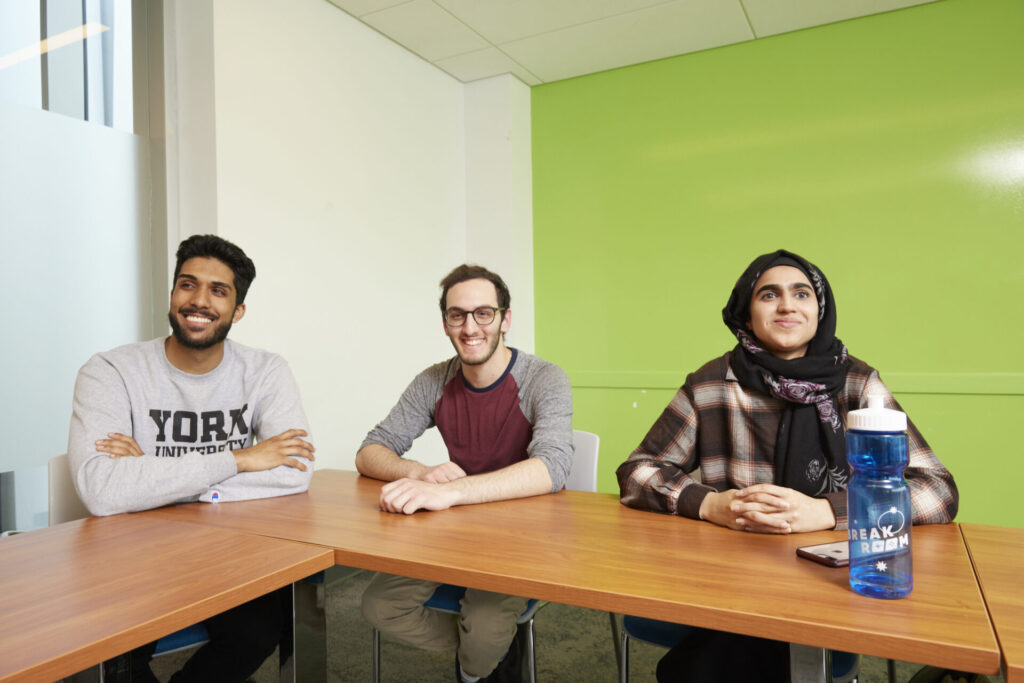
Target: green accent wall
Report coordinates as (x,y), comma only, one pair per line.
(889,150)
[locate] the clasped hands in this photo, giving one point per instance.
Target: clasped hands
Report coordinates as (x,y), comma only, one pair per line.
(426,491)
(768,509)
(267,454)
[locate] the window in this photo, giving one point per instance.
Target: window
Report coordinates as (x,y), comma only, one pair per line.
(73,57)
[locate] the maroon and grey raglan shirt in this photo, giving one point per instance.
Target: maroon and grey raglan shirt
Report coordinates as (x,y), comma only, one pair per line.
(526,413)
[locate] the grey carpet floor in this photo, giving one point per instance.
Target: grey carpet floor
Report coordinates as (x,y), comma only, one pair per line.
(573,644)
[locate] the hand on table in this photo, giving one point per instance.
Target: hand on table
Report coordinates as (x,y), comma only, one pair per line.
(409,495)
(769,509)
(275,451)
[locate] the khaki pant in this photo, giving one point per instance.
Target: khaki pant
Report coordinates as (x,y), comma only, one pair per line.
(481,633)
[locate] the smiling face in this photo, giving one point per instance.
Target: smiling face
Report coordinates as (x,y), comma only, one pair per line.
(784,312)
(476,343)
(203,303)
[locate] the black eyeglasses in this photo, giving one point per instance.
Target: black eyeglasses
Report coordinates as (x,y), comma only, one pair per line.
(484,315)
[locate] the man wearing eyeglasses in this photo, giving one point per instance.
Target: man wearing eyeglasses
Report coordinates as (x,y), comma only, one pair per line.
(506,420)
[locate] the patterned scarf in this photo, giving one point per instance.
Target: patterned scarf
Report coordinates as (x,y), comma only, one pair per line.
(810,447)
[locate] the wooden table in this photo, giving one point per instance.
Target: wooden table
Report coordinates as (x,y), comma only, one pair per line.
(82,592)
(586,549)
(998,556)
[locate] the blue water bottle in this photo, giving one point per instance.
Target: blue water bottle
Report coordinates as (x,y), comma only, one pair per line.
(878,501)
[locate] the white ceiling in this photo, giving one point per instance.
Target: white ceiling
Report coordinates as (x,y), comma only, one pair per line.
(540,41)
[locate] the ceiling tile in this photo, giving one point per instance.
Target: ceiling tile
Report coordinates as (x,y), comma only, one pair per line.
(771,17)
(505,21)
(426,29)
(358,8)
(484,64)
(662,31)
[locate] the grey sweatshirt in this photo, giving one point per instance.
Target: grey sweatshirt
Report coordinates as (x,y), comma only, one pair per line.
(186,425)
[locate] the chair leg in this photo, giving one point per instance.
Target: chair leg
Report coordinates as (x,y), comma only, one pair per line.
(376,656)
(116,670)
(303,652)
(807,664)
(93,674)
(890,669)
(624,658)
(531,653)
(615,639)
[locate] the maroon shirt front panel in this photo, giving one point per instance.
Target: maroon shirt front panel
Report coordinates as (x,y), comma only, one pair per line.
(484,430)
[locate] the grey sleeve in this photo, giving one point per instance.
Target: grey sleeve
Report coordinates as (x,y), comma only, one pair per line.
(279,409)
(109,486)
(547,404)
(414,412)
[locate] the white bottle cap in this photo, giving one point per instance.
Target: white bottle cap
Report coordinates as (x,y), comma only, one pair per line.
(876,417)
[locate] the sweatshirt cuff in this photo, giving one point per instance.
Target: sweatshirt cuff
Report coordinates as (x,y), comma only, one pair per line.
(219,466)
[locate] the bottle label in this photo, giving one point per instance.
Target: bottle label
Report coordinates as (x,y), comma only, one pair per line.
(889,534)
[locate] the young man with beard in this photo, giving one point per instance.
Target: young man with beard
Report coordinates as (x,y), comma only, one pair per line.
(506,419)
(190,417)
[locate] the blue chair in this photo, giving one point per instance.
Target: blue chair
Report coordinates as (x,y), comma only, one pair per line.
(446,598)
(845,666)
(188,637)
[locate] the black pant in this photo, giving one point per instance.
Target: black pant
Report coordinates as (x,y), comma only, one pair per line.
(707,656)
(241,639)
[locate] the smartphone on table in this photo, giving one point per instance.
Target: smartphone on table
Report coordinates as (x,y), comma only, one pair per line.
(829,554)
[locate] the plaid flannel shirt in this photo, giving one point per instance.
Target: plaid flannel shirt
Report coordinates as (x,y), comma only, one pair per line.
(729,433)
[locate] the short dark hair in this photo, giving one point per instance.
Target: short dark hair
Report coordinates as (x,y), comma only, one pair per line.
(473,272)
(231,255)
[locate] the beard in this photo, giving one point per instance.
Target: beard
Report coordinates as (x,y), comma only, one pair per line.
(492,347)
(216,336)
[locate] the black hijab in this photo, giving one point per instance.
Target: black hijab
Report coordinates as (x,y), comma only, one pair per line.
(810,448)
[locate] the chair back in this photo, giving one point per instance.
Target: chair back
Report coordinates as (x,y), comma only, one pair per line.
(583,476)
(65,505)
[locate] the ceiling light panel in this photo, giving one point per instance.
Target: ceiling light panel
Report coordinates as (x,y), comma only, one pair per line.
(653,33)
(426,29)
(505,21)
(772,17)
(484,64)
(358,8)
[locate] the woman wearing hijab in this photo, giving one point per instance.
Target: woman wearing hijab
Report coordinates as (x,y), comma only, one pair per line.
(765,425)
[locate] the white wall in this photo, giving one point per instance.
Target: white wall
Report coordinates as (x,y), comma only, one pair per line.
(342,167)
(340,171)
(190,136)
(499,192)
